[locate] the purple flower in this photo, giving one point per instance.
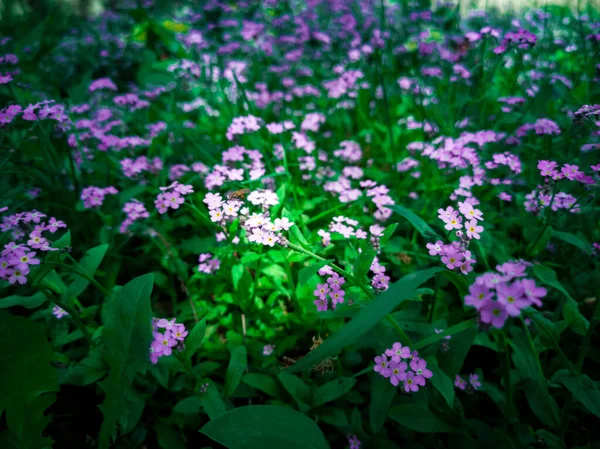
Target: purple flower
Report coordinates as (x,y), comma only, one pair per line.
(493,313)
(410,383)
(511,297)
(533,292)
(381,364)
(460,383)
(163,343)
(478,296)
(473,380)
(398,373)
(421,371)
(398,352)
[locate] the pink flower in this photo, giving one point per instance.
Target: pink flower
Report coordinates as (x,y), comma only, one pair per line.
(321,291)
(336,281)
(494,314)
(460,383)
(421,371)
(398,373)
(473,229)
(22,259)
(478,296)
(17,275)
(163,343)
(398,352)
(410,383)
(511,297)
(381,364)
(337,296)
(473,380)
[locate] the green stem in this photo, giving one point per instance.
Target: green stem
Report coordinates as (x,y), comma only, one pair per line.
(508,405)
(83,275)
(71,311)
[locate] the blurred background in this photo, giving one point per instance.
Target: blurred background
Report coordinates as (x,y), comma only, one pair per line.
(13,8)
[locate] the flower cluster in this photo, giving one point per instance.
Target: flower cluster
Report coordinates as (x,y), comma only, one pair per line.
(472,385)
(94,196)
(208,263)
(549,169)
(135,210)
(542,126)
(172,196)
(17,258)
(172,336)
(331,289)
(498,295)
(243,125)
(522,39)
(380,281)
(404,366)
(455,255)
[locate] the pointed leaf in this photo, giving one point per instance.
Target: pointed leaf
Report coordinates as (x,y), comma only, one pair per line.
(235,370)
(265,426)
(367,318)
(89,264)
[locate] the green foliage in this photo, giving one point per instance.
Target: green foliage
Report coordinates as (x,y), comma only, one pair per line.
(27,380)
(260,426)
(126,336)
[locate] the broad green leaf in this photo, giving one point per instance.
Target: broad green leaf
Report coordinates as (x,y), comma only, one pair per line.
(382,395)
(235,370)
(265,426)
(295,387)
(526,363)
(583,389)
(420,419)
(262,382)
(194,340)
(551,440)
(571,312)
(572,240)
(89,263)
(308,272)
(237,271)
(334,416)
(441,381)
(54,282)
(368,317)
(188,406)
(460,345)
(295,234)
(29,302)
(27,379)
(127,334)
(212,403)
(418,223)
(332,390)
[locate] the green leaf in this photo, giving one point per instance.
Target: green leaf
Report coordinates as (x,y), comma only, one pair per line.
(26,379)
(542,243)
(168,436)
(367,318)
(387,234)
(127,334)
(382,395)
(295,387)
(295,234)
(583,389)
(237,271)
(89,264)
(441,381)
(335,416)
(262,382)
(418,223)
(308,272)
(571,312)
(363,262)
(188,406)
(333,390)
(526,363)
(265,426)
(29,302)
(549,335)
(235,370)
(460,327)
(418,418)
(459,281)
(54,282)
(212,403)
(572,240)
(194,340)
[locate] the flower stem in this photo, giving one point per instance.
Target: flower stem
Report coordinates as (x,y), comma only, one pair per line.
(83,274)
(508,402)
(71,311)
